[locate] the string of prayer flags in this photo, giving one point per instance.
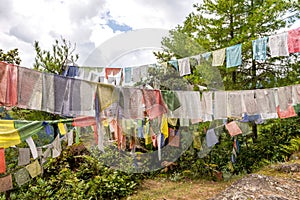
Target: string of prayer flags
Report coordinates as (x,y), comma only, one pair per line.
(245,127)
(236,145)
(9,135)
(206,55)
(259,48)
(220,111)
(234,56)
(233,128)
(3,82)
(22,176)
(296,94)
(249,102)
(56,147)
(234,104)
(87,98)
(266,105)
(218,57)
(187,109)
(197,140)
(159,139)
(294,40)
(128,74)
(60,84)
(106,94)
(30,86)
(2,161)
(284,95)
(76,137)
(289,112)
(72,98)
(184,66)
(132,103)
(206,106)
(70,137)
(197,58)
(24,156)
(34,169)
(47,128)
(174,63)
(111,71)
(211,138)
(154,104)
(233,156)
(171,99)
(46,155)
(164,127)
(40,152)
(174,137)
(8,84)
(6,183)
(278,45)
(32,147)
(62,128)
(48,94)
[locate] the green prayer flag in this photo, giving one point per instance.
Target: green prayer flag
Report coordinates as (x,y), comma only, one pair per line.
(171,99)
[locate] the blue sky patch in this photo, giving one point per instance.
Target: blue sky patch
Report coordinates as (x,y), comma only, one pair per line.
(115,26)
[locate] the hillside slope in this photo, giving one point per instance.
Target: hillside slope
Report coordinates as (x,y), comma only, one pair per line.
(274,182)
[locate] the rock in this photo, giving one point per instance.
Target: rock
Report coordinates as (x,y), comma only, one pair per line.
(287,168)
(295,156)
(261,187)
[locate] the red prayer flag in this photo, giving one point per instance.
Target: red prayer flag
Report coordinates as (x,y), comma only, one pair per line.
(233,128)
(111,71)
(2,161)
(294,40)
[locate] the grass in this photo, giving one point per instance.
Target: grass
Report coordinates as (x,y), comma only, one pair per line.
(165,189)
(270,170)
(161,188)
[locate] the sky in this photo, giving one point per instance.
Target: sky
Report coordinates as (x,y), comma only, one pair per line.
(91,24)
(88,23)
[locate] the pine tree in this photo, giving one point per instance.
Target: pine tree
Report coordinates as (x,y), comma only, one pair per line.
(220,24)
(54,62)
(12,56)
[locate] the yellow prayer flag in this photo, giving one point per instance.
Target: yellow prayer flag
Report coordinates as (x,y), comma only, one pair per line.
(164,127)
(9,136)
(62,128)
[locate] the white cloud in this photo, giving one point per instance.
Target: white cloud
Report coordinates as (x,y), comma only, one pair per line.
(84,22)
(150,14)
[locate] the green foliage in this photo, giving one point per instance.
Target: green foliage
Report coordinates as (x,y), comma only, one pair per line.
(277,140)
(75,174)
(293,147)
(22,114)
(12,56)
(219,24)
(56,60)
(164,79)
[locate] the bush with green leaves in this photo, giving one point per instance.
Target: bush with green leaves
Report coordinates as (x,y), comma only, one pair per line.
(277,140)
(75,174)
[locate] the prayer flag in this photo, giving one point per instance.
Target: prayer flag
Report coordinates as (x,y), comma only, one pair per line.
(6,183)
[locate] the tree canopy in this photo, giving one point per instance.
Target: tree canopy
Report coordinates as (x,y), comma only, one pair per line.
(12,56)
(55,61)
(219,24)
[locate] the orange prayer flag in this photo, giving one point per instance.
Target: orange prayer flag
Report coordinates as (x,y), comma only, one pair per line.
(2,161)
(233,128)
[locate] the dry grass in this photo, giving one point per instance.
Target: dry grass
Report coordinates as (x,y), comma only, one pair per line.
(272,171)
(162,189)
